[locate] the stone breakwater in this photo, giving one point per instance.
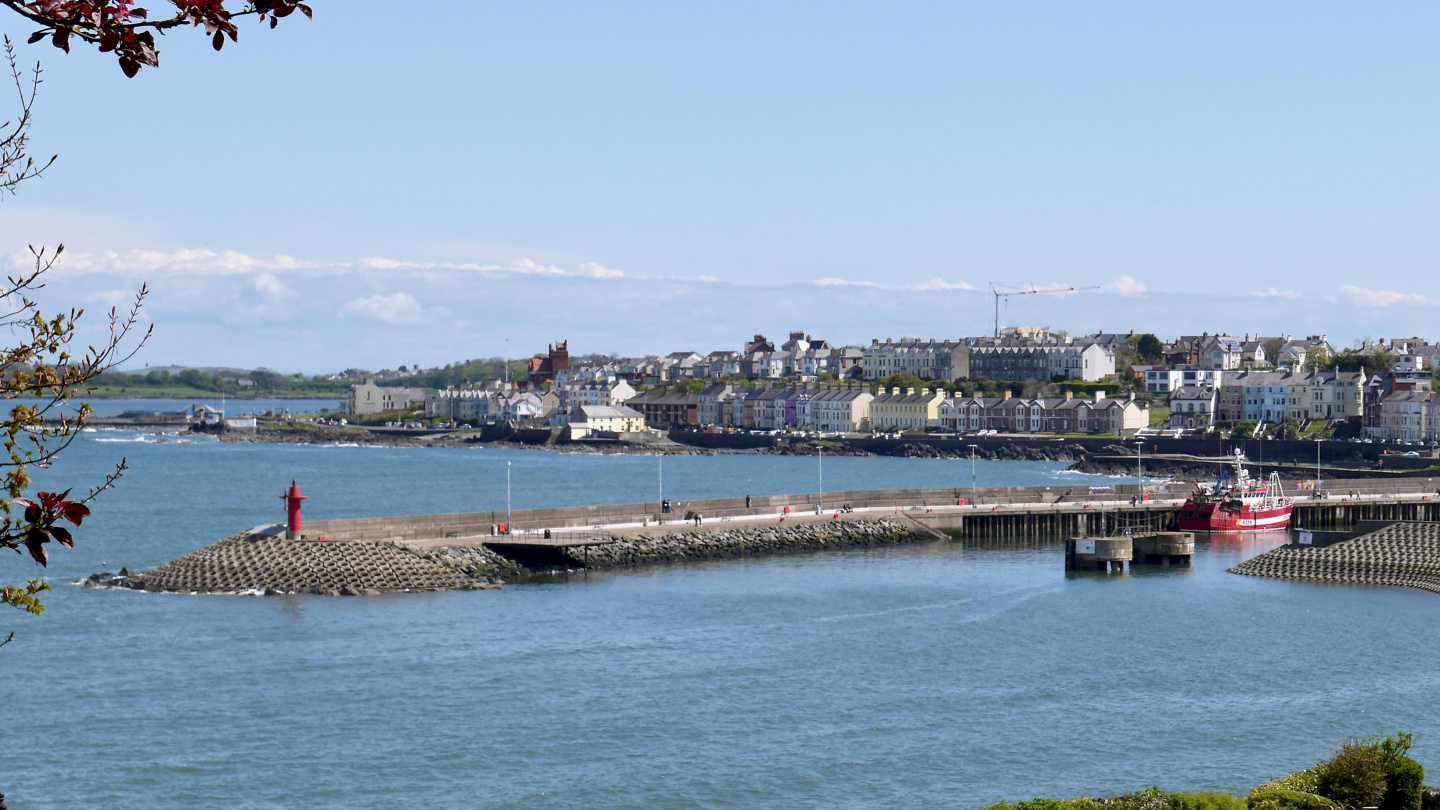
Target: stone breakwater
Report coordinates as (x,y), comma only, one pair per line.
(754,541)
(245,564)
(1402,554)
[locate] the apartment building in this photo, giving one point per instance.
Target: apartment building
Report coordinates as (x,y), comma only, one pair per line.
(926,359)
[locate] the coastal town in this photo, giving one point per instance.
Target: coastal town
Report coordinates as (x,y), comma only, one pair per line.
(1022,381)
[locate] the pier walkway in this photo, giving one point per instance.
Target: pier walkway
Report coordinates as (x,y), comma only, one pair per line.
(988,512)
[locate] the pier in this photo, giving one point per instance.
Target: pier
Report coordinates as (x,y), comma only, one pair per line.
(1002,513)
(1118,525)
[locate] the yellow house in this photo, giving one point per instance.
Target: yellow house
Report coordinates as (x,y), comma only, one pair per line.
(906,410)
(588,419)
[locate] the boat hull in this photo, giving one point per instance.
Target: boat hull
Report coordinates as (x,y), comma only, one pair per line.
(1214,517)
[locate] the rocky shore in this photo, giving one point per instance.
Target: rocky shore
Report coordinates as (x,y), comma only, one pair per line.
(244,563)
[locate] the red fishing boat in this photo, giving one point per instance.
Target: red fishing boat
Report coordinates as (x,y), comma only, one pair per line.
(1237,503)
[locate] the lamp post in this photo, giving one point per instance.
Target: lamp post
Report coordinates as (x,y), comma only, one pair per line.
(1139,476)
(972,475)
(661,505)
(508,528)
(821,503)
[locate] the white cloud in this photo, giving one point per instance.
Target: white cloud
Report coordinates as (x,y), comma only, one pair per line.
(1381,298)
(268,284)
(1271,292)
(927,286)
(396,308)
(1124,285)
(594,270)
(941,284)
(154,263)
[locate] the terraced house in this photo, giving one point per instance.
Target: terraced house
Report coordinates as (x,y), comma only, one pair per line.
(906,410)
(835,409)
(928,360)
(1068,414)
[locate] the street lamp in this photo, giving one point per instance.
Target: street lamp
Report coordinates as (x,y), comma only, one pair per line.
(1139,475)
(661,505)
(507,498)
(821,503)
(972,475)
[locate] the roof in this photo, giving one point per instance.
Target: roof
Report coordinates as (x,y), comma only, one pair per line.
(588,412)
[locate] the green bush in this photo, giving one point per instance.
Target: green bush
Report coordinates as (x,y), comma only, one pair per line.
(1307,781)
(1289,800)
(1404,777)
(1355,776)
(1208,801)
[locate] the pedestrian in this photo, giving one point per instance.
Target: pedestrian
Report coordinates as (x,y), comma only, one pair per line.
(787,508)
(747,501)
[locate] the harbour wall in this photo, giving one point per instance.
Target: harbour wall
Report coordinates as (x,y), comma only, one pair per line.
(1337,453)
(1030,505)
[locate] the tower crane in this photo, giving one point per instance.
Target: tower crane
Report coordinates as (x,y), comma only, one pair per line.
(1005,289)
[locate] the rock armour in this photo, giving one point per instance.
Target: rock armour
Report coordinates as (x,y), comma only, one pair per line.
(644,549)
(1403,554)
(244,564)
(239,563)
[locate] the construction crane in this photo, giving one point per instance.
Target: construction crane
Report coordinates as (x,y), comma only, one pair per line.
(1005,289)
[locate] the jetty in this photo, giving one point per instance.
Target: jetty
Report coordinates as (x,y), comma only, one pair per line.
(486,549)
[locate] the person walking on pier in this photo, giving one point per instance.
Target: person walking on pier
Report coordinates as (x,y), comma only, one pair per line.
(699,518)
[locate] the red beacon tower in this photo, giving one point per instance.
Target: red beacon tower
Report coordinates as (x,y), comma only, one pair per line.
(292,501)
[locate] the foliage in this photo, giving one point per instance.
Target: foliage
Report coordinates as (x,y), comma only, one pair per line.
(1290,800)
(23,597)
(902,381)
(1149,347)
(1318,359)
(1401,779)
(1355,776)
(1404,777)
(126,30)
(1149,799)
(1306,781)
(1272,349)
(39,366)
(1209,801)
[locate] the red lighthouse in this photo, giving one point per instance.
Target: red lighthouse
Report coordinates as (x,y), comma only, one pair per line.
(292,501)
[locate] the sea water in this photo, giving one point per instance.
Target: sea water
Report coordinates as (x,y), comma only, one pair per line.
(944,674)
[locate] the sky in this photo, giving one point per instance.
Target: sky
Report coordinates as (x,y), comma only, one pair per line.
(380,187)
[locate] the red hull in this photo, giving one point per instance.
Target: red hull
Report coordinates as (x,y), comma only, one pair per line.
(1219,516)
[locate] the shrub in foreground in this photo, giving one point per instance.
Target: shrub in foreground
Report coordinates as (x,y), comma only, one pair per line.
(1355,776)
(1275,799)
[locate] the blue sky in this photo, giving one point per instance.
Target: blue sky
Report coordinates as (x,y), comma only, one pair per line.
(369,189)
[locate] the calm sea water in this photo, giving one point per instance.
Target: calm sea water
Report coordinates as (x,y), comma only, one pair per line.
(115,407)
(938,675)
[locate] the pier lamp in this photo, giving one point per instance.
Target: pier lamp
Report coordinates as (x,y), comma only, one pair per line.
(972,474)
(1139,470)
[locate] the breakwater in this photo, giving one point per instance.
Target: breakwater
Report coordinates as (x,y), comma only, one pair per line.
(245,563)
(1401,554)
